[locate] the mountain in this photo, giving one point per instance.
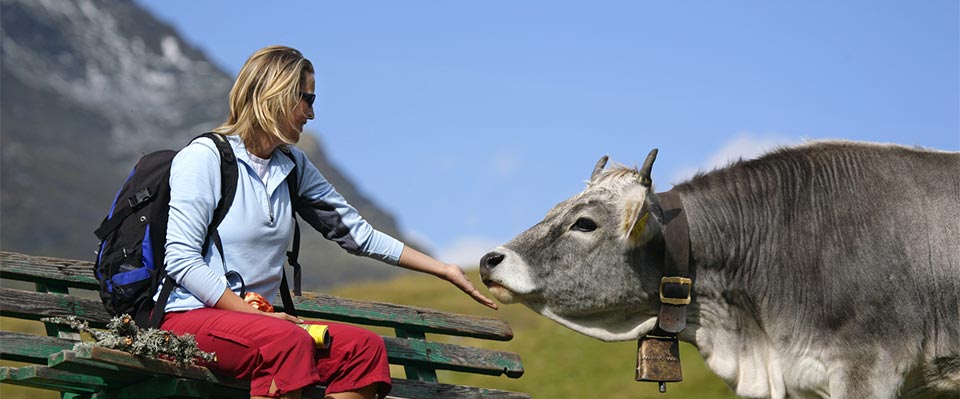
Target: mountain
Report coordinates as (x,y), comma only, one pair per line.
(86,88)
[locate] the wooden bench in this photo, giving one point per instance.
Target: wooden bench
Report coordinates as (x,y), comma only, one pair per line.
(93,372)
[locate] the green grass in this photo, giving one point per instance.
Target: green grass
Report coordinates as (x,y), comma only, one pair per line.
(558,362)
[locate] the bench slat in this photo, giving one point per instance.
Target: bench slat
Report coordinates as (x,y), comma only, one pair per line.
(161,387)
(420,389)
(47,378)
(29,348)
(82,358)
(172,387)
(37,349)
(79,274)
(42,269)
(385,314)
(188,381)
(414,352)
(34,305)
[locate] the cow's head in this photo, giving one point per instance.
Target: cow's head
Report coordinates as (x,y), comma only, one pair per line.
(589,265)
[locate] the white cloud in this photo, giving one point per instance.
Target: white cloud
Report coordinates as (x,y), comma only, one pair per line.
(467,251)
(744,145)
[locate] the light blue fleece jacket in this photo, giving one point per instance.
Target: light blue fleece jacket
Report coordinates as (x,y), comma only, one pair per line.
(258,228)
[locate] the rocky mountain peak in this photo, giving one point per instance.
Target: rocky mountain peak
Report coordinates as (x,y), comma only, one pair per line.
(118,61)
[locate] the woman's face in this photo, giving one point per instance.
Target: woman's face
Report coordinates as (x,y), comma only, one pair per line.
(303,112)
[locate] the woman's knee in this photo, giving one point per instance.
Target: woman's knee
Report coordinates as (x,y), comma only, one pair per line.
(370,341)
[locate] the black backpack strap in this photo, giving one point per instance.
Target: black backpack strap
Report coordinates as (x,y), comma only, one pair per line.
(292,257)
(156,315)
(112,222)
(285,296)
(228,190)
(293,185)
(228,184)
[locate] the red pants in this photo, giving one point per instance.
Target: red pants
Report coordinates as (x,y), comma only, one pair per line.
(267,350)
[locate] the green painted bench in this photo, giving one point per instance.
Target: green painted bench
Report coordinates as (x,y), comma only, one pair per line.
(67,287)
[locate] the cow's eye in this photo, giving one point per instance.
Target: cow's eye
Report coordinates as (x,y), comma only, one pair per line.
(584,224)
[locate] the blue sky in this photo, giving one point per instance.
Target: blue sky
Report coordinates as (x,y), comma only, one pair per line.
(469,120)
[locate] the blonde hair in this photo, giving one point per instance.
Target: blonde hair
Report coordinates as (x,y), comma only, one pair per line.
(266,92)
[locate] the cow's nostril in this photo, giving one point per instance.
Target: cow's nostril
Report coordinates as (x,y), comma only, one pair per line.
(491,260)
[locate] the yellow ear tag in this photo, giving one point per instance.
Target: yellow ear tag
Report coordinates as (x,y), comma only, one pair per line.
(640,226)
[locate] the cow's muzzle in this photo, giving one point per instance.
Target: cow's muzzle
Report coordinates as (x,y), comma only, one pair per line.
(487,263)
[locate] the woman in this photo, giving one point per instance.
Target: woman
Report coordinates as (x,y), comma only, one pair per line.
(271,101)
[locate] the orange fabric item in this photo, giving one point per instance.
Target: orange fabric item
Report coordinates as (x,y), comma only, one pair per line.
(258,302)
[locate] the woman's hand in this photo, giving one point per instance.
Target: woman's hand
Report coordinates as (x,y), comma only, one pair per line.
(283,316)
(231,301)
(416,260)
(455,275)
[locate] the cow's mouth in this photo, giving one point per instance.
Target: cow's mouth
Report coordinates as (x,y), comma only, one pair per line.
(503,294)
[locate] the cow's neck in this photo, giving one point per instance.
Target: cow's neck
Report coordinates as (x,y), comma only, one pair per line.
(723,320)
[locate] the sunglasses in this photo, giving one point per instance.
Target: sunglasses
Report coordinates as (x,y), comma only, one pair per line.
(308,97)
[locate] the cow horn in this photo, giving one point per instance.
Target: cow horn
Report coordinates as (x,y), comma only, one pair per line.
(599,167)
(647,166)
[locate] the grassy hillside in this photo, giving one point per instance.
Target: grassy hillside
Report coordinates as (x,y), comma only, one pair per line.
(559,363)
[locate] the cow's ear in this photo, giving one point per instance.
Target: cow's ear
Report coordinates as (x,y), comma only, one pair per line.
(642,220)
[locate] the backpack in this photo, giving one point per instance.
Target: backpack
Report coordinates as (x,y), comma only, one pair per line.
(133,235)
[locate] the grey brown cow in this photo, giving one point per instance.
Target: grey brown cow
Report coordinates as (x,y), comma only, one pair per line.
(830,269)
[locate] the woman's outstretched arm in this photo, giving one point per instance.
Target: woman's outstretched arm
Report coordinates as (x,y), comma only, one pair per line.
(415,260)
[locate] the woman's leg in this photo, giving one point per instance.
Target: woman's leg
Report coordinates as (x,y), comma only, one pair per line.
(288,395)
(277,356)
(273,389)
(354,363)
(367,392)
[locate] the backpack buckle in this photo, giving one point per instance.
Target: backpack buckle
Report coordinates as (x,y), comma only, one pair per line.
(139,197)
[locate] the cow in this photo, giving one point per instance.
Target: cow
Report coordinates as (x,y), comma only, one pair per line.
(826,269)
